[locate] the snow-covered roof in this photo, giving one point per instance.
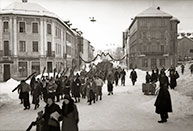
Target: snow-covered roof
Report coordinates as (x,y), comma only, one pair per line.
(153,12)
(27,9)
(32,9)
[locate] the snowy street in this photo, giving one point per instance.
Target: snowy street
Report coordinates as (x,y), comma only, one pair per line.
(127,109)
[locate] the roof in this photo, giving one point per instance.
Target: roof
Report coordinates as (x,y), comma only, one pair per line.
(153,12)
(27,9)
(32,9)
(185,37)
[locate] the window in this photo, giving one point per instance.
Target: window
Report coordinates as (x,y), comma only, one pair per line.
(49,30)
(36,67)
(153,63)
(35,46)
(162,48)
(68,50)
(162,62)
(144,62)
(34,27)
(22,46)
(5,26)
(22,69)
(191,50)
(22,27)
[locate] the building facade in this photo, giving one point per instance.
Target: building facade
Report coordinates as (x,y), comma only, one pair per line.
(32,38)
(185,49)
(152,40)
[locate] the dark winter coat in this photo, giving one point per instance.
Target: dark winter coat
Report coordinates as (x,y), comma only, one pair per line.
(173,78)
(123,73)
(116,75)
(48,111)
(32,83)
(148,78)
(59,87)
(36,93)
(133,75)
(75,88)
(70,117)
(163,101)
(154,77)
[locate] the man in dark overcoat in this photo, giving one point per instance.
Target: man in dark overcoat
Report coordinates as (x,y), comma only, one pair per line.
(133,76)
(163,101)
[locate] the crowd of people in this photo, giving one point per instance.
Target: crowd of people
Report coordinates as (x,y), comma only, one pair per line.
(87,85)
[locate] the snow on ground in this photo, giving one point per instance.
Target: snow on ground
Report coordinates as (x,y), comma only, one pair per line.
(127,109)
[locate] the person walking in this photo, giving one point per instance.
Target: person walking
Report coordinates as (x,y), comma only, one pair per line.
(110,81)
(36,95)
(70,117)
(99,85)
(25,89)
(173,79)
(123,74)
(191,68)
(116,76)
(133,76)
(51,115)
(75,88)
(163,101)
(182,68)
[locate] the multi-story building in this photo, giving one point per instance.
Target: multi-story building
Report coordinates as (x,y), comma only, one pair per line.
(32,38)
(152,39)
(185,48)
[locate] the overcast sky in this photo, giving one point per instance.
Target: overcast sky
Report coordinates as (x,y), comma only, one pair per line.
(112,16)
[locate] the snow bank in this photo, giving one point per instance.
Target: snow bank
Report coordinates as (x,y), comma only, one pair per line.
(181,97)
(7,87)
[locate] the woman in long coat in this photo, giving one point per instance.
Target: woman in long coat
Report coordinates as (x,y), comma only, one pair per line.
(50,110)
(70,116)
(163,102)
(75,88)
(173,79)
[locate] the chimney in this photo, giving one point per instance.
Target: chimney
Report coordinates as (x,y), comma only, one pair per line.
(158,8)
(24,1)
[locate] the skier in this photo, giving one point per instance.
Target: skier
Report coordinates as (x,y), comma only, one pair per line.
(133,76)
(163,101)
(39,122)
(25,89)
(36,95)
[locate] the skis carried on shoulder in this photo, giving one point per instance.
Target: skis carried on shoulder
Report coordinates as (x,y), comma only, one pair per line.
(43,72)
(24,80)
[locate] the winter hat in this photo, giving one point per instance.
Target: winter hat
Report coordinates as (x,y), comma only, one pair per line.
(67,97)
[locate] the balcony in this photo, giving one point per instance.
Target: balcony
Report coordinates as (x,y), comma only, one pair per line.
(50,54)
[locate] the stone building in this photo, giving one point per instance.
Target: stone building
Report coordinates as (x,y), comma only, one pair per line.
(185,48)
(152,40)
(32,38)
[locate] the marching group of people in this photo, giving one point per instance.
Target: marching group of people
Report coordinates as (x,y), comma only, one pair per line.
(72,89)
